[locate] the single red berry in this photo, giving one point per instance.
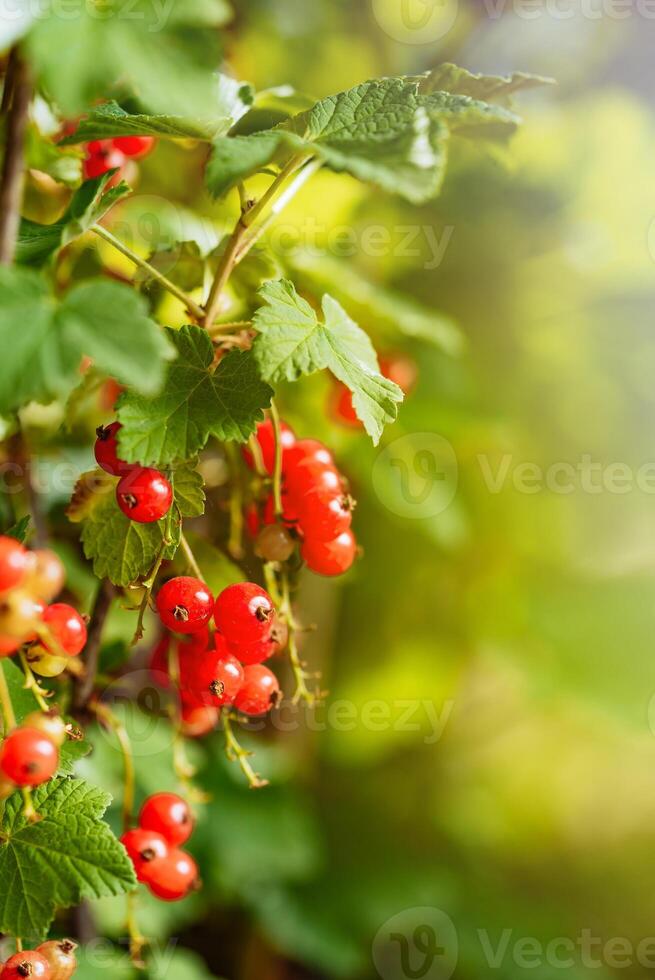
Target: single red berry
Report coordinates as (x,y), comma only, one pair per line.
(101,157)
(28,757)
(310,466)
(144,495)
(67,627)
(266,438)
(28,964)
(330,557)
(198,719)
(8,645)
(213,677)
(106,450)
(259,692)
(244,613)
(15,563)
(325,515)
(257,653)
(168,815)
(134,146)
(304,450)
(174,877)
(144,847)
(59,954)
(185,604)
(159,661)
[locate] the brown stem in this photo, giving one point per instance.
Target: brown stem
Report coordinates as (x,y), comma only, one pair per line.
(11,182)
(224,270)
(101,608)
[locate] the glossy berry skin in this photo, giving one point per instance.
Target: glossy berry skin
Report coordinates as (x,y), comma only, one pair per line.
(198,719)
(45,664)
(259,692)
(106,450)
(46,576)
(67,627)
(310,466)
(60,957)
(244,613)
(274,543)
(168,815)
(144,495)
(28,964)
(50,723)
(330,557)
(185,604)
(101,158)
(213,677)
(14,563)
(257,653)
(144,848)
(307,450)
(174,877)
(136,147)
(28,757)
(265,436)
(324,515)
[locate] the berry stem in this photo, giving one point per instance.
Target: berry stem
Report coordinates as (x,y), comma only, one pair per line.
(138,941)
(302,692)
(8,716)
(190,305)
(190,557)
(19,94)
(148,586)
(236,753)
(258,458)
(277,468)
(99,614)
(31,684)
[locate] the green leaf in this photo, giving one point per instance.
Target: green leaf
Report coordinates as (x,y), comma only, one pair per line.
(489,88)
(121,550)
(36,242)
(110,120)
(188,486)
(23,701)
(20,530)
(182,263)
(44,155)
(68,856)
(196,401)
(71,752)
(165,53)
(293,341)
(44,340)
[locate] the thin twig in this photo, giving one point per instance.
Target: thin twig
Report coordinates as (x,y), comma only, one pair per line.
(224,270)
(11,182)
(236,752)
(190,304)
(277,467)
(31,684)
(101,607)
(190,557)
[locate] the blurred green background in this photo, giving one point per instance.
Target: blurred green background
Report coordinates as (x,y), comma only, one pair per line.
(490,746)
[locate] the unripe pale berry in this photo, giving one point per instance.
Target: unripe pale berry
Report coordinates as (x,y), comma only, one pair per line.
(60,957)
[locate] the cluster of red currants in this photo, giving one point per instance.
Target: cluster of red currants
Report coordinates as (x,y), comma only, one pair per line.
(143,494)
(104,155)
(154,847)
(29,755)
(315,503)
(54,960)
(51,634)
(223,668)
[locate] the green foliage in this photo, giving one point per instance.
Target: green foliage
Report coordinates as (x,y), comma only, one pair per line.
(293,341)
(20,529)
(44,339)
(69,855)
(490,88)
(197,401)
(36,242)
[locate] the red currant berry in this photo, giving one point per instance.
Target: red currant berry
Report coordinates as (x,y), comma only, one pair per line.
(213,677)
(144,847)
(198,719)
(174,877)
(28,757)
(144,495)
(330,557)
(134,146)
(159,661)
(28,964)
(305,450)
(289,509)
(100,160)
(67,627)
(244,613)
(106,450)
(310,466)
(168,815)
(259,692)
(59,954)
(185,604)
(324,515)
(8,645)
(14,563)
(256,653)
(266,438)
